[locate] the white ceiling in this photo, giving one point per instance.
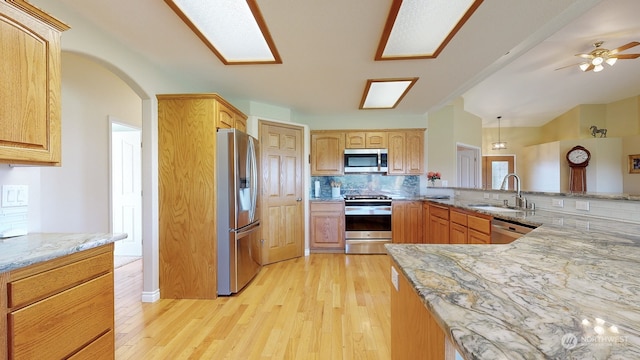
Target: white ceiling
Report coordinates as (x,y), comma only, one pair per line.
(502,61)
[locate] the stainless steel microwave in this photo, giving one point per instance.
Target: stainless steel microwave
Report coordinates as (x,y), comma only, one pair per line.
(365,161)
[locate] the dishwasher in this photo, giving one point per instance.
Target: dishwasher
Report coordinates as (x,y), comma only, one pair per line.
(506,231)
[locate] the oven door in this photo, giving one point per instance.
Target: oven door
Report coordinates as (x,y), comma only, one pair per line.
(367,229)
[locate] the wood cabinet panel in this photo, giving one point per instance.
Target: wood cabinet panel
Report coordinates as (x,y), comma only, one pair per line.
(476,237)
(36,287)
(327,225)
(406,222)
(457,233)
(480,224)
(439,211)
(100,349)
(30,86)
(426,214)
(63,323)
(458,217)
(355,140)
(415,334)
(396,157)
(414,153)
(439,224)
(327,153)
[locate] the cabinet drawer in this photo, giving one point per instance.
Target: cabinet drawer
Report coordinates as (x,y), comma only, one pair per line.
(479,224)
(33,288)
(326,206)
(61,324)
(437,211)
(100,349)
(458,217)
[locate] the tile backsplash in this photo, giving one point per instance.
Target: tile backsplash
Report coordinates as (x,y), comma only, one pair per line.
(392,185)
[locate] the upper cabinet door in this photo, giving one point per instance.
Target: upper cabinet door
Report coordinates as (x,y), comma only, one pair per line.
(376,140)
(355,140)
(414,153)
(30,86)
(327,153)
(396,157)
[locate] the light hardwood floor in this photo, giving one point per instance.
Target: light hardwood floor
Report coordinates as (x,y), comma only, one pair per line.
(323,306)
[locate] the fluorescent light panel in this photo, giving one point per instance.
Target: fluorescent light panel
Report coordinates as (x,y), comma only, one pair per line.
(385,93)
(233,29)
(419,29)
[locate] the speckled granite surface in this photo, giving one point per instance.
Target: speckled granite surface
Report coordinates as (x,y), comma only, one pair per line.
(21,251)
(568,290)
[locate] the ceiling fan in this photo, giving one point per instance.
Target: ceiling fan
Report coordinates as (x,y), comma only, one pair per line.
(595,59)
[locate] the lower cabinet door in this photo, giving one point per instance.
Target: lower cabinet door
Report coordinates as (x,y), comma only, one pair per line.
(62,324)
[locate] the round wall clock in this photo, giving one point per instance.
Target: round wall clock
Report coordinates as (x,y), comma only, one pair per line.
(578,158)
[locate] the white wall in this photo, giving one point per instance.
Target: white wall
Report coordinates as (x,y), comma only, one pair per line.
(75,197)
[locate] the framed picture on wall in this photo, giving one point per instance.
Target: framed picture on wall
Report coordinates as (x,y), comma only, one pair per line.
(634,164)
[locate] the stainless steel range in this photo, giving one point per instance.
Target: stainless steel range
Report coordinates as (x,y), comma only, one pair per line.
(367,223)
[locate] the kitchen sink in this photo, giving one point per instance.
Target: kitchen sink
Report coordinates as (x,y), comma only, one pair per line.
(489,207)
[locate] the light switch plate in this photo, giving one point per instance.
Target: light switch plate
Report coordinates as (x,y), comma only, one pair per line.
(496,196)
(15,195)
(557,203)
(485,195)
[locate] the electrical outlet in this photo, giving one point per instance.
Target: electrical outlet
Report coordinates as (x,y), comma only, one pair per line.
(496,196)
(557,203)
(582,205)
(558,221)
(394,278)
(485,195)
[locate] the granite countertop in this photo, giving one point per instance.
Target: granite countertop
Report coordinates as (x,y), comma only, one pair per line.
(22,251)
(531,298)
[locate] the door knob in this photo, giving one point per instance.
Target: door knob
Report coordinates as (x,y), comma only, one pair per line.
(299,199)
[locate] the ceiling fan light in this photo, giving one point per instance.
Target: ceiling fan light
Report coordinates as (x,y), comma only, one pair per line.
(584,66)
(611,61)
(598,68)
(597,60)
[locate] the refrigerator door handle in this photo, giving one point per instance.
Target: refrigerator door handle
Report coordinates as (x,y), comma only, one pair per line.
(249,228)
(254,179)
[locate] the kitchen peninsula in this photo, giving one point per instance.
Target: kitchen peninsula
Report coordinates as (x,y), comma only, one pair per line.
(560,292)
(57,298)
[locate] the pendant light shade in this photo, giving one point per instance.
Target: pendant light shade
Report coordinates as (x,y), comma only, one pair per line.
(499,145)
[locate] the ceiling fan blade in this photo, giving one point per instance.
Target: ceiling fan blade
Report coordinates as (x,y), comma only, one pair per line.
(624,47)
(585,56)
(564,67)
(626,56)
(589,68)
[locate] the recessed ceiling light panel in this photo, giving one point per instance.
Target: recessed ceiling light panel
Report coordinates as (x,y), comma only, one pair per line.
(385,93)
(421,29)
(233,29)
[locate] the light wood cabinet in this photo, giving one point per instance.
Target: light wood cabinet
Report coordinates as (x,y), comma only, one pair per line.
(438,224)
(366,140)
(406,222)
(479,229)
(327,153)
(30,85)
(187,125)
(406,152)
(229,117)
(426,215)
(415,334)
(327,225)
(457,227)
(60,307)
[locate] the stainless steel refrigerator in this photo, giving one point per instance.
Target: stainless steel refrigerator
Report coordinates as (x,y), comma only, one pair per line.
(237,212)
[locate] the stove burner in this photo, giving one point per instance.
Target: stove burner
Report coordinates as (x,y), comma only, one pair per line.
(367,197)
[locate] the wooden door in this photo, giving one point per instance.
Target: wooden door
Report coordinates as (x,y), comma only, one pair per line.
(494,169)
(281,201)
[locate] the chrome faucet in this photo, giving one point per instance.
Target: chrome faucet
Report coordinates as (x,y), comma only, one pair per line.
(521,202)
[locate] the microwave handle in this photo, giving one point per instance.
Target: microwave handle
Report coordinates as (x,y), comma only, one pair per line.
(379,160)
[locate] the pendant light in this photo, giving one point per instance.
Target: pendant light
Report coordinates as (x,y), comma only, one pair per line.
(500,145)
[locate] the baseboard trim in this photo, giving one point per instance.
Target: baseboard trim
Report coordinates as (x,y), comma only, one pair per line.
(151,296)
